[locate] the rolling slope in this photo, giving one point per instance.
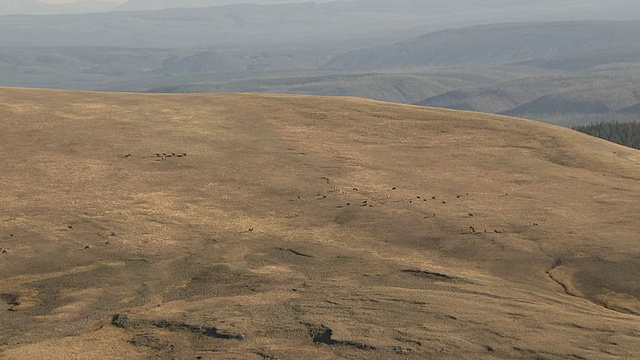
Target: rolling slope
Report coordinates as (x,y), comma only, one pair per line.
(249,226)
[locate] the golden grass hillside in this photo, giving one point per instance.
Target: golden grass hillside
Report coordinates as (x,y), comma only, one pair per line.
(291,227)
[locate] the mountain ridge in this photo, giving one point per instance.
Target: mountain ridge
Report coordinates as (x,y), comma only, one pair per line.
(594,93)
(146,5)
(496,44)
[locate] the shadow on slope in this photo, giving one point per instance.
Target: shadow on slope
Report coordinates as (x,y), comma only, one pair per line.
(299,226)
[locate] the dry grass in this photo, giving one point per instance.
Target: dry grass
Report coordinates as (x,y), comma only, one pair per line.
(287,230)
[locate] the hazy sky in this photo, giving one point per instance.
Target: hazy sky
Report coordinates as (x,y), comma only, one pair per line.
(124,1)
(72,1)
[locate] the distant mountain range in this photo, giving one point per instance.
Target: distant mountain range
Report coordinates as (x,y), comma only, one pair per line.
(633,110)
(553,44)
(293,25)
(460,12)
(347,24)
(603,94)
(146,5)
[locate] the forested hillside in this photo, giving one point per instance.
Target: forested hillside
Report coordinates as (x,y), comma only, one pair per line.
(621,133)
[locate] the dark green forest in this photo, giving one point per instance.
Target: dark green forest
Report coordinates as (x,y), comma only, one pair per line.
(624,133)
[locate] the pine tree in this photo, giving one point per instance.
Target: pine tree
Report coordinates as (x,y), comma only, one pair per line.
(624,133)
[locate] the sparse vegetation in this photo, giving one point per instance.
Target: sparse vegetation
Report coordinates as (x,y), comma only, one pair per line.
(626,133)
(379,230)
